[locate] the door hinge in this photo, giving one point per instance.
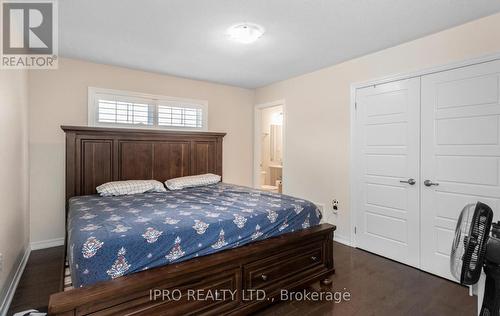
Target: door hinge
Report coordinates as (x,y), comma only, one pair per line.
(355,230)
(355,105)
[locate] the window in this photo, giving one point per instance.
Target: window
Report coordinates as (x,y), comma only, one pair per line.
(115,108)
(173,115)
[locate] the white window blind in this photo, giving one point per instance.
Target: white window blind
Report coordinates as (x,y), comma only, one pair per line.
(115,111)
(175,115)
(119,108)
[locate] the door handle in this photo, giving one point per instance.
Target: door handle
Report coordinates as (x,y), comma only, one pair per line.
(410,181)
(429,183)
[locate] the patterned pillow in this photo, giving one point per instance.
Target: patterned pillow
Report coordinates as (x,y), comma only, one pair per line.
(192,181)
(130,187)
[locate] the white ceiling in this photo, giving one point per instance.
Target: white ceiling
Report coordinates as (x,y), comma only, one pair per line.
(187,37)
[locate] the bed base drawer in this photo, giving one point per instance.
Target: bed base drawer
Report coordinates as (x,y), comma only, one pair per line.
(209,294)
(279,271)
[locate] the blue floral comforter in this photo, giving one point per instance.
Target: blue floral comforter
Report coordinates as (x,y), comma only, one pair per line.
(113,236)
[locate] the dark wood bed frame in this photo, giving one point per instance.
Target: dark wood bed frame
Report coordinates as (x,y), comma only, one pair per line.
(290,261)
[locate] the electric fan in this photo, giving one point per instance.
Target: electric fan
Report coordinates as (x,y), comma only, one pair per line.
(474,249)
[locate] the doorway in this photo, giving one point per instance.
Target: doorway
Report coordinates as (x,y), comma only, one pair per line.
(268,146)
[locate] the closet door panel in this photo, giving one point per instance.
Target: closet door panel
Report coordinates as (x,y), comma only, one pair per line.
(387,152)
(460,153)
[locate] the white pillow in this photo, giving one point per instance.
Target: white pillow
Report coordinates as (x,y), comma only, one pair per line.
(192,181)
(116,188)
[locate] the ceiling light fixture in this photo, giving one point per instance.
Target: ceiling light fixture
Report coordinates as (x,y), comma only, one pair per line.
(245,33)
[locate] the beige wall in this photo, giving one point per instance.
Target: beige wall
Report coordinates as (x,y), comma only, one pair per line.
(317,108)
(14,218)
(60,97)
(317,104)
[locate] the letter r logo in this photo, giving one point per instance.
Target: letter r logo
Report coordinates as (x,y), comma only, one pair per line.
(27,27)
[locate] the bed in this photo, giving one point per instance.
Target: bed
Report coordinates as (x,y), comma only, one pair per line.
(213,238)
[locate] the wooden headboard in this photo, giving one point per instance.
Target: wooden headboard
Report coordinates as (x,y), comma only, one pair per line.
(96,155)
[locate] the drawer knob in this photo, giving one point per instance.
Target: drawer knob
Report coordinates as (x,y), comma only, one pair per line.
(314,258)
(264,277)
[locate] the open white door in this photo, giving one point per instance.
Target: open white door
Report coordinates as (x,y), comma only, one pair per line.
(460,153)
(387,170)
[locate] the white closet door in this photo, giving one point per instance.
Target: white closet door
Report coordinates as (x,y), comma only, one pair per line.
(460,152)
(387,155)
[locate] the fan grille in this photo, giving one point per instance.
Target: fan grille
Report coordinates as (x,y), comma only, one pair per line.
(478,230)
(469,245)
(461,240)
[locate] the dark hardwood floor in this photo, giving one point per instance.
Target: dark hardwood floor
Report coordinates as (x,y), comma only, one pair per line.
(377,286)
(41,278)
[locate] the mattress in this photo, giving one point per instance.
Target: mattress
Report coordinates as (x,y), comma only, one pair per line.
(109,237)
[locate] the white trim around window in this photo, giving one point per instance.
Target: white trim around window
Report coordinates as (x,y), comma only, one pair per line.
(118,108)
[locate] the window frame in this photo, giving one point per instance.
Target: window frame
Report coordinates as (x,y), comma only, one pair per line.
(92,109)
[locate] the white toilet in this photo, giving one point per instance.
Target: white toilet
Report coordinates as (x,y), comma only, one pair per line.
(266,187)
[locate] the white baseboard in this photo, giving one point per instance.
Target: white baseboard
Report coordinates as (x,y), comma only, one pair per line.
(13,284)
(35,245)
(342,240)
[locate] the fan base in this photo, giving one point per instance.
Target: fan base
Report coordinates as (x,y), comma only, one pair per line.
(491,300)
